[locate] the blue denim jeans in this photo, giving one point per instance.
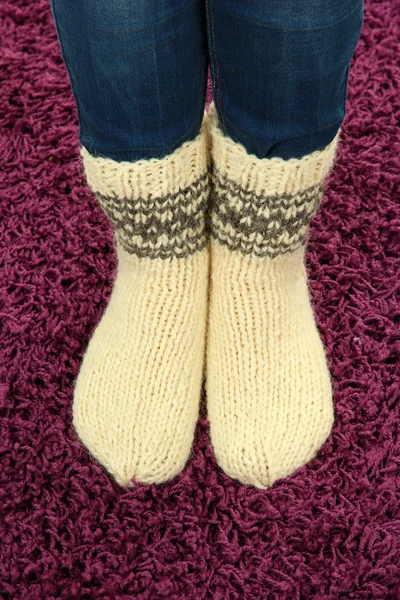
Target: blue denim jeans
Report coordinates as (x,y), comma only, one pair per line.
(138,70)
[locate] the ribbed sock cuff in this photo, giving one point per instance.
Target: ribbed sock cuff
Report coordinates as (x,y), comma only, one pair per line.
(264,206)
(158,206)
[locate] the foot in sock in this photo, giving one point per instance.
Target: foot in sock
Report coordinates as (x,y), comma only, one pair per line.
(268,386)
(137,394)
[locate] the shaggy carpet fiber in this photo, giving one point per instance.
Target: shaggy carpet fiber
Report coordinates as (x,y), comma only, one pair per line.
(332,530)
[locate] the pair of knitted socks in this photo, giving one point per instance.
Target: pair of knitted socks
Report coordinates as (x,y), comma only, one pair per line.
(268,387)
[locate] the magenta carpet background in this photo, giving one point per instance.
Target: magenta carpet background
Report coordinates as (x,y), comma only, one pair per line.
(332,530)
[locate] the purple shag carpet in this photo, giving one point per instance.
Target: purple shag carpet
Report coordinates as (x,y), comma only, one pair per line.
(332,530)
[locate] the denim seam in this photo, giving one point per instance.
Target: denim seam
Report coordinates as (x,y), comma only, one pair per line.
(214,62)
(69,72)
(346,86)
(357,6)
(204,97)
(313,131)
(151,152)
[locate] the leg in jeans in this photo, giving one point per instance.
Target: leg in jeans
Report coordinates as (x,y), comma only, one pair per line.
(280,81)
(138,72)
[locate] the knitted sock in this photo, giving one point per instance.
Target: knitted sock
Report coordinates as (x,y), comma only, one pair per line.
(137,394)
(268,385)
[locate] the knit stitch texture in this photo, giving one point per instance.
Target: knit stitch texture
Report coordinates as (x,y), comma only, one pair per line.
(158,207)
(263,207)
(268,387)
(137,395)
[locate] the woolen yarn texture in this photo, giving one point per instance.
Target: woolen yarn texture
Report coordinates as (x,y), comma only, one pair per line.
(137,395)
(269,394)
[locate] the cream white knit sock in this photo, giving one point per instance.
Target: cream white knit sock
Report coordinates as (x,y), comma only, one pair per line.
(137,394)
(268,386)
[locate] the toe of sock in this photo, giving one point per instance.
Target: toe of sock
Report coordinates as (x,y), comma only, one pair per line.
(242,462)
(154,460)
(259,463)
